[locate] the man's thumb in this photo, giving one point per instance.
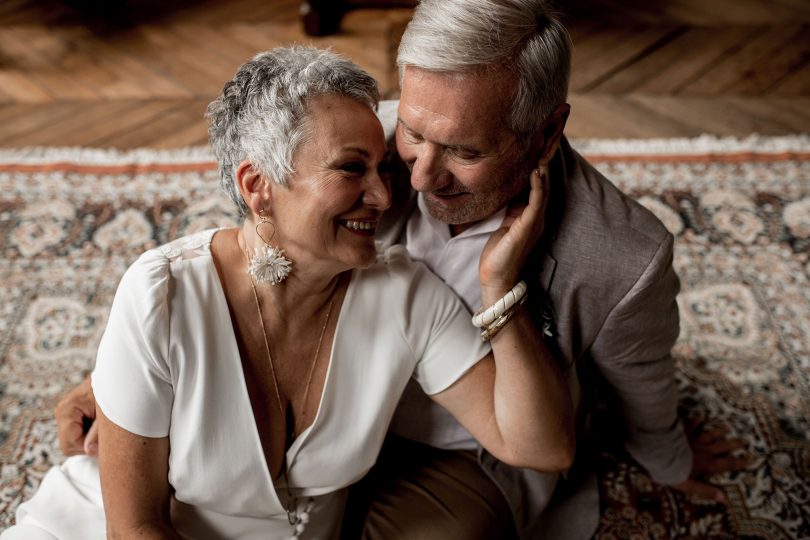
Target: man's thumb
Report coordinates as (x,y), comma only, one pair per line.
(91,440)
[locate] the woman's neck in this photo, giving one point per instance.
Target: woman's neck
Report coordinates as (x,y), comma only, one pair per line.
(307,290)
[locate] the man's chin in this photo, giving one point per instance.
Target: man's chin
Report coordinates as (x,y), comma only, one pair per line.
(453,211)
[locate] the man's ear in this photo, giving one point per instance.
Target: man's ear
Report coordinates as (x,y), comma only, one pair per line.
(547,141)
(255,191)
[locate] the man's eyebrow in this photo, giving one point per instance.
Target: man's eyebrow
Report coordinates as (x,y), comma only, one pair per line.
(463,148)
(453,147)
(404,124)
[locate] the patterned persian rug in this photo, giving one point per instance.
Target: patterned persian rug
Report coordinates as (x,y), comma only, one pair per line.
(71,221)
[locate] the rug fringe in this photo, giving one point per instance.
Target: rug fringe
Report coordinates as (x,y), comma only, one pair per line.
(704,144)
(759,144)
(102,156)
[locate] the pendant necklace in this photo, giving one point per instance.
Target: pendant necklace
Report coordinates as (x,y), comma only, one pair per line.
(297,517)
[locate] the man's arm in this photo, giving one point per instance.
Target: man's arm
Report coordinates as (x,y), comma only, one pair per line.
(73,414)
(632,352)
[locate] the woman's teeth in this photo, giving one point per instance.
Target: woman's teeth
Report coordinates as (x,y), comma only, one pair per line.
(359,225)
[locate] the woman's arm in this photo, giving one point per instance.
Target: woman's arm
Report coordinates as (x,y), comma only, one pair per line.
(516,405)
(134,483)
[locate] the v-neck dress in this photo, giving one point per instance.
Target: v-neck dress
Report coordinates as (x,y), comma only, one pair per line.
(169,365)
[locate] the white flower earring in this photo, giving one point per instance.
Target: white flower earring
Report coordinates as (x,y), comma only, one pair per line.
(268,263)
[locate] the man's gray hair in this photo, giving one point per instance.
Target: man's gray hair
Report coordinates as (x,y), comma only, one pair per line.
(467,35)
(260,115)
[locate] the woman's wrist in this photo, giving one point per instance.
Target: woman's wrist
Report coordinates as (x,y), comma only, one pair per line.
(494,317)
(494,291)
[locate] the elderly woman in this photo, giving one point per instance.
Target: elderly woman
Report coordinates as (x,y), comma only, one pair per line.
(247,376)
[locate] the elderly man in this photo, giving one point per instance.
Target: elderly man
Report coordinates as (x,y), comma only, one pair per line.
(484,86)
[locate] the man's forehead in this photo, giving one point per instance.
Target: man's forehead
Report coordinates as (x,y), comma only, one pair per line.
(500,82)
(469,99)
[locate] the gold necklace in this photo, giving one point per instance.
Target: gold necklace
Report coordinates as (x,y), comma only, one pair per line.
(296,520)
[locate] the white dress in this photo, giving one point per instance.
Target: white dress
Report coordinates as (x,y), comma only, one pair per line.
(168,365)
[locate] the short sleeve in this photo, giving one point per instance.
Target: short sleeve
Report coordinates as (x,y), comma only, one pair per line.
(437,326)
(131,380)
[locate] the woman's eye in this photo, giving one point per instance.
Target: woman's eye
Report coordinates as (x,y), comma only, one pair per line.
(353,167)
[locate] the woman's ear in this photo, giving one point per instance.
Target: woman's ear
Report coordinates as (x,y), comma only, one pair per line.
(255,190)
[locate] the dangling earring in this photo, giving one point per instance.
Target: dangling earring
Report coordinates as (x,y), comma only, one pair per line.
(268,264)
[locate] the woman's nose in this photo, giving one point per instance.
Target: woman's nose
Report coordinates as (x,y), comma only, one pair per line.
(378,192)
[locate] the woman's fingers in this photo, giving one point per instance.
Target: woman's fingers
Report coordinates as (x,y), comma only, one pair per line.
(509,246)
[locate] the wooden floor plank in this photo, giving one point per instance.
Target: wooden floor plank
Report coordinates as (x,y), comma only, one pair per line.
(8,113)
(370,54)
(83,61)
(694,12)
(134,77)
(82,126)
(679,62)
(18,12)
(644,115)
(245,11)
(778,64)
(45,52)
(171,120)
(139,115)
(741,12)
(795,84)
(598,115)
(743,63)
(19,87)
(28,129)
(195,72)
(641,69)
(216,41)
(600,57)
(195,133)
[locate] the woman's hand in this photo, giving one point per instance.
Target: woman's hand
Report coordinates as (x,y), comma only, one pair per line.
(517,403)
(508,247)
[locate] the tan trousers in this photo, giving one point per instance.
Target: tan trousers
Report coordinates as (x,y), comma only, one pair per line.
(417,492)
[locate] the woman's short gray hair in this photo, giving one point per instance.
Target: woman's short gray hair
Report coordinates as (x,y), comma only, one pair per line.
(260,115)
(466,35)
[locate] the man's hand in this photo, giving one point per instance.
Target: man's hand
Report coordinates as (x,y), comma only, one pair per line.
(508,247)
(73,412)
(712,454)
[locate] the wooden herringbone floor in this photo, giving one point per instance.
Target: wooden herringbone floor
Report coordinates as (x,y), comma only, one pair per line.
(77,72)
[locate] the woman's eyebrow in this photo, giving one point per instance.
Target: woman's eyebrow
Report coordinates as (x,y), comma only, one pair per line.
(361,151)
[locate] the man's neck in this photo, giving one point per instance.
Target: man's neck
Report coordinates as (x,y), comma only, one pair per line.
(456,230)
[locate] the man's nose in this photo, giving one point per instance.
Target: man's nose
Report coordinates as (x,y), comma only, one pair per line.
(427,170)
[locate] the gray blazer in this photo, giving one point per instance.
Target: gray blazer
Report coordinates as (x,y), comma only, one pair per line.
(605,263)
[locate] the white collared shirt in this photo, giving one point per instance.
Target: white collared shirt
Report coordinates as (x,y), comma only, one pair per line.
(453,258)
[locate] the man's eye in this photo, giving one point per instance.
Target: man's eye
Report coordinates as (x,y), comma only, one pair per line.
(412,137)
(466,155)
